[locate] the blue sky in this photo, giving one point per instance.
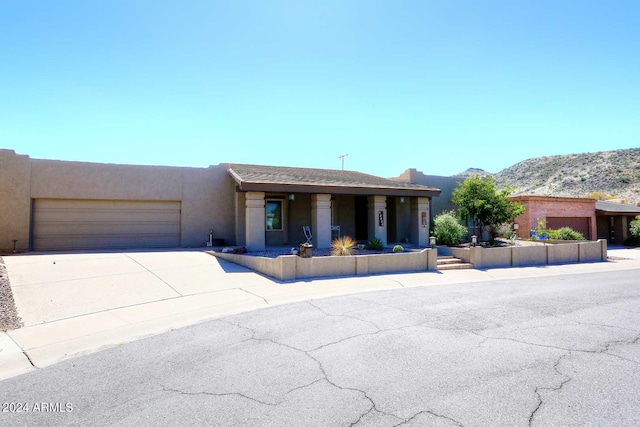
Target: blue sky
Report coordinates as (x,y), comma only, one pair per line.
(435,85)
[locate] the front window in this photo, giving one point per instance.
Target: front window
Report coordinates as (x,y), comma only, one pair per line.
(274,215)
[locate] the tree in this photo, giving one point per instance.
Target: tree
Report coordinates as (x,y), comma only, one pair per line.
(478,199)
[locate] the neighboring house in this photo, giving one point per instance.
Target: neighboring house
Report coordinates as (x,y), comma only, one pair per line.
(60,205)
(446,184)
(594,219)
(576,213)
(614,220)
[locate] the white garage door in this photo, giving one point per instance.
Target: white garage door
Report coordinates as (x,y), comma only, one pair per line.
(104,224)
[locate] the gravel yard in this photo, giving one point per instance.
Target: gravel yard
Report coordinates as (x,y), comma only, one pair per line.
(9,318)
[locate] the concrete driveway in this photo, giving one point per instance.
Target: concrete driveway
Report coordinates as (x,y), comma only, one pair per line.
(76,303)
(52,287)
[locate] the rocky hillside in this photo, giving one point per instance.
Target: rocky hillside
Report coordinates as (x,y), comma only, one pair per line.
(577,175)
(472,172)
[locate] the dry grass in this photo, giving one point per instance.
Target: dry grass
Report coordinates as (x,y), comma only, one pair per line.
(344,246)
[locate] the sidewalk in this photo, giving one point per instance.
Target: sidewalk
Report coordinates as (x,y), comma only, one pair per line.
(177,289)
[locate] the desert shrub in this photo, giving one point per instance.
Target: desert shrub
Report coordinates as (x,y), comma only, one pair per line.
(600,195)
(343,246)
(503,230)
(448,230)
(541,232)
(565,233)
(375,244)
(398,248)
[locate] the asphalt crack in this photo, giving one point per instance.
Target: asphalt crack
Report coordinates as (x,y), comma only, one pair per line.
(207,393)
(321,368)
(342,315)
(432,413)
(603,350)
(538,390)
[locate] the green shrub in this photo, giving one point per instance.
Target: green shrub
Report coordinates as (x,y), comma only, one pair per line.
(634,227)
(398,248)
(448,230)
(541,232)
(375,244)
(566,233)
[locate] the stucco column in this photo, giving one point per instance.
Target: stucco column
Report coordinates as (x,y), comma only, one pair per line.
(420,221)
(321,220)
(255,220)
(376,206)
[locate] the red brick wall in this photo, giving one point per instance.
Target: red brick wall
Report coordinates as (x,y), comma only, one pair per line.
(539,207)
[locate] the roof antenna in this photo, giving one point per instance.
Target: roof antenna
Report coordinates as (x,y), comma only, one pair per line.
(342,158)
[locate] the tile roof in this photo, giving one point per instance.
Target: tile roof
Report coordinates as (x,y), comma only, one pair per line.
(616,207)
(301,179)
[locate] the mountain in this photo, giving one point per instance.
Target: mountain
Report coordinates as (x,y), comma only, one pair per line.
(614,172)
(471,172)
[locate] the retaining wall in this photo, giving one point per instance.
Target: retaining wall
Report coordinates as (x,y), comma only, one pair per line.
(292,267)
(540,254)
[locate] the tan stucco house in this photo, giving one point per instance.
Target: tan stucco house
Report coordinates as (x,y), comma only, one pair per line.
(62,205)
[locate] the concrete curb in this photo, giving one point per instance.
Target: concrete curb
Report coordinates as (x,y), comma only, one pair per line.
(13,361)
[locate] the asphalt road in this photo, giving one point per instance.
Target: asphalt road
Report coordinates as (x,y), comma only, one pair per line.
(553,351)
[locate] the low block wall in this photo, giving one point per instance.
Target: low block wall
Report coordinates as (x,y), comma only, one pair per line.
(541,254)
(291,267)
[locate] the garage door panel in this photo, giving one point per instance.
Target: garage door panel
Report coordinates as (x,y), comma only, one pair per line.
(101,224)
(101,229)
(579,224)
(73,216)
(104,242)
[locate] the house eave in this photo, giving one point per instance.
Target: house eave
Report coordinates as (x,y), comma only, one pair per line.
(320,189)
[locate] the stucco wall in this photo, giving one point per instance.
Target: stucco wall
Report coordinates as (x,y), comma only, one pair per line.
(288,267)
(207,194)
(346,214)
(541,254)
(241,219)
(299,216)
(207,204)
(446,184)
(15,202)
(78,180)
(403,219)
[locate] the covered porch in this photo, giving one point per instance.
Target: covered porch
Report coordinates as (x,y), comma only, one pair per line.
(273,204)
(614,220)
